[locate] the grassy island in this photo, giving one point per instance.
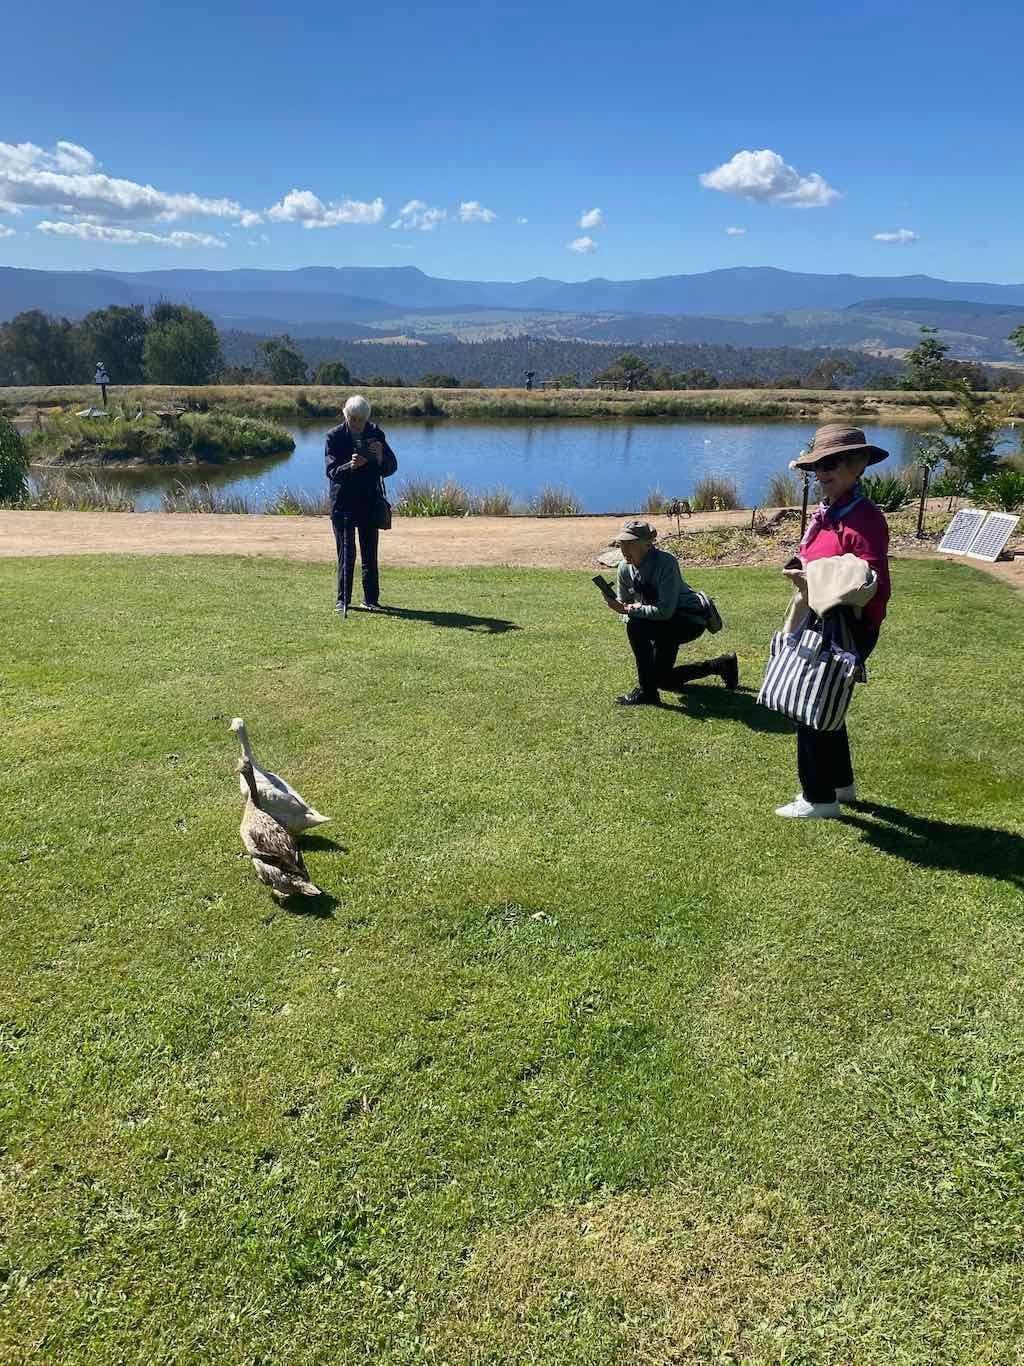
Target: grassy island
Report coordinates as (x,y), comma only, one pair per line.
(130,436)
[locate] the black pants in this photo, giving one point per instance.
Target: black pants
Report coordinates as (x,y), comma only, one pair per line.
(345,529)
(655,645)
(823,756)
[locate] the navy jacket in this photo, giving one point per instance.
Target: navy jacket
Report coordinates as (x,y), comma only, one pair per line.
(354,492)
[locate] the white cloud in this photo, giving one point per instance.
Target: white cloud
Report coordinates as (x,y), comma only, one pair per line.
(735,232)
(901,236)
(416,214)
(471,211)
(68,180)
(764,176)
(521,221)
(592,218)
(128,237)
(5,231)
(583,246)
(303,206)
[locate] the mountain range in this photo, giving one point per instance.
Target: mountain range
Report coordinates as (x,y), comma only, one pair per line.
(740,306)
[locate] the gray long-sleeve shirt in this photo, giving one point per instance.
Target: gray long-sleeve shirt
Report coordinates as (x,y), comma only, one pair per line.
(658,584)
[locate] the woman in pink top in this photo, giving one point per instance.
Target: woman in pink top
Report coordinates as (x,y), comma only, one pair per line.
(846,523)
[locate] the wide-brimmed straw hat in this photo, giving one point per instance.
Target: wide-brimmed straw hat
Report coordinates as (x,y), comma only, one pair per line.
(636,530)
(838,439)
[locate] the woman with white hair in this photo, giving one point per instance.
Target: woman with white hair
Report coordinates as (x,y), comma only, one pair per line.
(358,460)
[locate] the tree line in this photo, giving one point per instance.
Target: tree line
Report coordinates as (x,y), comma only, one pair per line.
(175,344)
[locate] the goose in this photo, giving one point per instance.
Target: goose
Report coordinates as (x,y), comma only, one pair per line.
(277,798)
(274,853)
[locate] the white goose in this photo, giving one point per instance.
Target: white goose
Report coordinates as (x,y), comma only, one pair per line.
(276,797)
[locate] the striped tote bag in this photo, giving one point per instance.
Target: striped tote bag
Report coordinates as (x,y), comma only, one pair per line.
(809,679)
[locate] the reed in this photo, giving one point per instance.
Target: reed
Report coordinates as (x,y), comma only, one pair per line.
(553,501)
(713,493)
(421,498)
(48,492)
(185,496)
(783,492)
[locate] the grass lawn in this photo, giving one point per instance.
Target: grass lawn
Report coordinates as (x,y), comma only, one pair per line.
(588,1059)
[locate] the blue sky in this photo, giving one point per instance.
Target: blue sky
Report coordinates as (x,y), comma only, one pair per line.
(897,119)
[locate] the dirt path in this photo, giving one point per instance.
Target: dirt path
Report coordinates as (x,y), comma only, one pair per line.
(527,542)
(538,542)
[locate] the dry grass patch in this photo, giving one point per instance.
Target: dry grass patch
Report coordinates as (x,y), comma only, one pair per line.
(643,1277)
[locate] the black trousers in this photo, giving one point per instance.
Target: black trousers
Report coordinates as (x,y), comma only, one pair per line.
(655,645)
(823,760)
(345,529)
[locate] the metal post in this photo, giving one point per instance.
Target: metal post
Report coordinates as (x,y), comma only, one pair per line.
(344,568)
(803,509)
(926,475)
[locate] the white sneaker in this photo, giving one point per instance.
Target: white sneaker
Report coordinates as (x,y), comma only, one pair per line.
(802,810)
(846,794)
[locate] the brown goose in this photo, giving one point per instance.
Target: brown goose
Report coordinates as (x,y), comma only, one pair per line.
(274,853)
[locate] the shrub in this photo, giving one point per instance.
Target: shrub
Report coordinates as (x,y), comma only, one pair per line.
(13,463)
(714,494)
(552,501)
(1003,491)
(888,491)
(492,503)
(783,492)
(655,502)
(420,498)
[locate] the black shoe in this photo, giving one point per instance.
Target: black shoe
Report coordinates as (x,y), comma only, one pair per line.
(728,667)
(639,698)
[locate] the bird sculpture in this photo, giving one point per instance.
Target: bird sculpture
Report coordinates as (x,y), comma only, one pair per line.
(274,853)
(277,798)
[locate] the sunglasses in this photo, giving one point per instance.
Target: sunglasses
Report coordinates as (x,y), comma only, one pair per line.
(831,462)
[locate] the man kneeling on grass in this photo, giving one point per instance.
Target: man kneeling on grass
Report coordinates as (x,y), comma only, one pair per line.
(662,612)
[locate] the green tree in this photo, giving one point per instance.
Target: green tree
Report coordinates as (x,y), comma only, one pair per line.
(926,362)
(385,382)
(439,381)
(629,371)
(1017,337)
(116,336)
(37,349)
(332,372)
(283,360)
(13,463)
(182,346)
(829,371)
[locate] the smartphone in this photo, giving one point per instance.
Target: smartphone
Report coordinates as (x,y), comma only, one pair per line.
(604,586)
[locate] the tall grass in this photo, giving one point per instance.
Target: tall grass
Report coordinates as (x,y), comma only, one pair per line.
(421,498)
(783,492)
(713,493)
(492,503)
(288,502)
(84,493)
(655,502)
(553,501)
(202,497)
(133,435)
(888,491)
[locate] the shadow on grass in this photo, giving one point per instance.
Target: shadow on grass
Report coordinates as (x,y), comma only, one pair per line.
(712,702)
(322,842)
(316,907)
(946,845)
(460,621)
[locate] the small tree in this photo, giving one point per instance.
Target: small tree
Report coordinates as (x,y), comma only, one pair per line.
(970,436)
(13,463)
(439,380)
(926,363)
(929,453)
(829,371)
(283,360)
(628,372)
(332,372)
(1017,337)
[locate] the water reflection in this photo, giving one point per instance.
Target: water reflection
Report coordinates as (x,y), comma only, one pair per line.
(608,466)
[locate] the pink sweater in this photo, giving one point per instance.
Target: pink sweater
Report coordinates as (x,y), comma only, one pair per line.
(861,531)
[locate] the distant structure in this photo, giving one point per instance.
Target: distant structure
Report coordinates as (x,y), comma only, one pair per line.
(102,379)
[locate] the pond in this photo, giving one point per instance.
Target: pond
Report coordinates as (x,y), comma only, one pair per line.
(608,466)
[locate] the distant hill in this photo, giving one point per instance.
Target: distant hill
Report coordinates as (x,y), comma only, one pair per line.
(504,362)
(757,306)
